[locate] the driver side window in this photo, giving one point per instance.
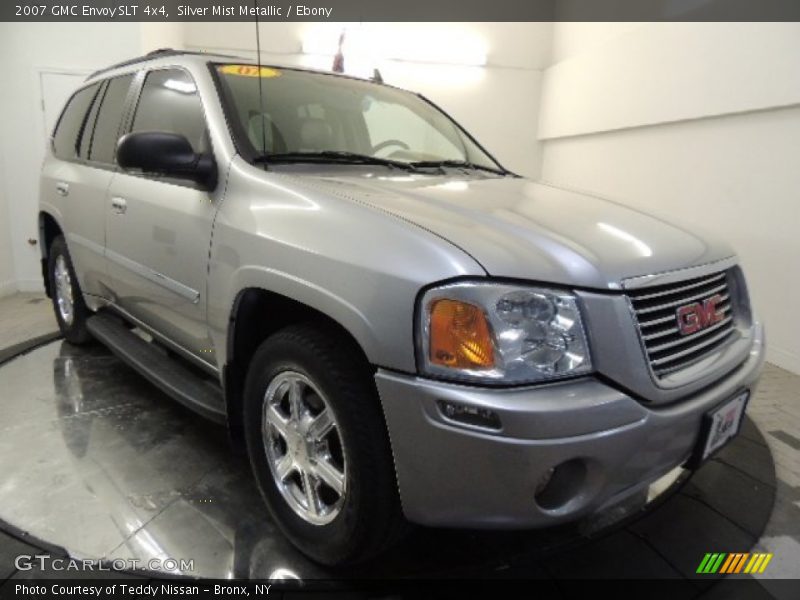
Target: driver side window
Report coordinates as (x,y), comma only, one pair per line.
(169,102)
(393,128)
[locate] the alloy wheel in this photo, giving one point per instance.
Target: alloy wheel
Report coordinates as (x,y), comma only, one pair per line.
(64,299)
(304,448)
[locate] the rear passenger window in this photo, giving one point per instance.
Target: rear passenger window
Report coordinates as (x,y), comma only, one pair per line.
(106,128)
(85,141)
(70,126)
(169,102)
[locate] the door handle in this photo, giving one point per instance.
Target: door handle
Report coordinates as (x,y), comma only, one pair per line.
(62,189)
(119,205)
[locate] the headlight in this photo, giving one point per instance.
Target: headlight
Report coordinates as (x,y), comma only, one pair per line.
(501,333)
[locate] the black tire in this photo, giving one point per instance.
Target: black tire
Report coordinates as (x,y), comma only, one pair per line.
(370,519)
(74,332)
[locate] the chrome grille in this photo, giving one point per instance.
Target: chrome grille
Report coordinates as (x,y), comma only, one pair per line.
(656,312)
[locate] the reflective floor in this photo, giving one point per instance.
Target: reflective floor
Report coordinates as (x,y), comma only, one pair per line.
(96,460)
(101,463)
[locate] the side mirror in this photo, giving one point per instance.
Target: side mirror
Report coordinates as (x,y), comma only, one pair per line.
(166,153)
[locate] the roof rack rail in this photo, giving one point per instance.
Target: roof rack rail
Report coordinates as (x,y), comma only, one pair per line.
(159,53)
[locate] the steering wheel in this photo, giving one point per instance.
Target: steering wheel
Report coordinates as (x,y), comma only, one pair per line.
(387,143)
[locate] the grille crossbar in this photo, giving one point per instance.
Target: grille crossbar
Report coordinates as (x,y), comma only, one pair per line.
(668,350)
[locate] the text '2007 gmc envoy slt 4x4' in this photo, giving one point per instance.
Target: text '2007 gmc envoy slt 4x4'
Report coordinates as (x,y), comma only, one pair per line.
(396,327)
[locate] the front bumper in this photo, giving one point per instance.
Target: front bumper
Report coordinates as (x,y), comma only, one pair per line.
(609,445)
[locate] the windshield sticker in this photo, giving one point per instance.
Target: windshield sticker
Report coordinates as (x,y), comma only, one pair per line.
(248,71)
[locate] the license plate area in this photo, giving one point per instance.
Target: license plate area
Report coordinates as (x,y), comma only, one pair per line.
(720,425)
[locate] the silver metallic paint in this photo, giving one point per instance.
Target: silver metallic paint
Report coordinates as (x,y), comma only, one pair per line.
(487,480)
(360,243)
(276,232)
(176,287)
(522,229)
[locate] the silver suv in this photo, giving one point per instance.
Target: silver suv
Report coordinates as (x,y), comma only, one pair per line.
(398,328)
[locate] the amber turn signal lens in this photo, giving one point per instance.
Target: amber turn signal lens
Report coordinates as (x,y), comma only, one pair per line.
(460,337)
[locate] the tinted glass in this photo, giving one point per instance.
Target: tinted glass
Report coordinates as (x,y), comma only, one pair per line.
(70,125)
(169,102)
(106,129)
(85,141)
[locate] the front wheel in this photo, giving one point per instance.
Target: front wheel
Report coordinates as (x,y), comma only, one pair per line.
(319,447)
(71,311)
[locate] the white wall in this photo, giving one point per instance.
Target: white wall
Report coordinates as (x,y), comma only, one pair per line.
(498,103)
(25,49)
(8,284)
(579,38)
(698,123)
(157,35)
(666,72)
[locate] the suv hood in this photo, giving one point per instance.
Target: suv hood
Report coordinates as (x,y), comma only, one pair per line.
(517,228)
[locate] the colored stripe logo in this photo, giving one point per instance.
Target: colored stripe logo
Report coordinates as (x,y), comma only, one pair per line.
(735,562)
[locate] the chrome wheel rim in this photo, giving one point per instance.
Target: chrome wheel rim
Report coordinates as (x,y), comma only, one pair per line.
(304,448)
(64,299)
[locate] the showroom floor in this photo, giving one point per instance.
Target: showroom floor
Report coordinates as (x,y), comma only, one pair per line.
(775,409)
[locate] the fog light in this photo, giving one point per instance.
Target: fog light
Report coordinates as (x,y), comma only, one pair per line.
(469,415)
(564,484)
(544,480)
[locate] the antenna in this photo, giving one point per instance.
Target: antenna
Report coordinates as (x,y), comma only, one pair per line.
(260,83)
(338,60)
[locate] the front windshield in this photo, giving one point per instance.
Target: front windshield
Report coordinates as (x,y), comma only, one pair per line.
(310,113)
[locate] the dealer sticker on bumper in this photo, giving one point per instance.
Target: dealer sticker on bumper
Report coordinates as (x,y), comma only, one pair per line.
(724,423)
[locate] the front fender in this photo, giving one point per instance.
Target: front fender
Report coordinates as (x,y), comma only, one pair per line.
(306,292)
(358,265)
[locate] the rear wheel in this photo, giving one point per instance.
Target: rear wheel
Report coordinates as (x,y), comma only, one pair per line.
(319,447)
(70,309)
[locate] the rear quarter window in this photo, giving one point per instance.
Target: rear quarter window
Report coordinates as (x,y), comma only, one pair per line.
(71,124)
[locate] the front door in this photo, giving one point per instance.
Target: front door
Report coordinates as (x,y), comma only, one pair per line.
(158,229)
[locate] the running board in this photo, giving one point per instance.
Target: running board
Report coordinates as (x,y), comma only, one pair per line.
(166,373)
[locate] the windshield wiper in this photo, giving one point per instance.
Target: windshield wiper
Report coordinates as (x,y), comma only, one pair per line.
(332,156)
(460,164)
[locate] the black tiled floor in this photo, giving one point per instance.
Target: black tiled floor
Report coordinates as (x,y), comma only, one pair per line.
(683,530)
(751,458)
(751,432)
(742,499)
(10,548)
(620,555)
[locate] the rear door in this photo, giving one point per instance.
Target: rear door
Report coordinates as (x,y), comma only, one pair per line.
(77,188)
(159,229)
(97,154)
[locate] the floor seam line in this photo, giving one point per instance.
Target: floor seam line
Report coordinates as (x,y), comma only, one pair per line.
(726,517)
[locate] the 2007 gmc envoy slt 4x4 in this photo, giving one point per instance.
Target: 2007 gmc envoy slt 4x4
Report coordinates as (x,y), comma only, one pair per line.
(396,327)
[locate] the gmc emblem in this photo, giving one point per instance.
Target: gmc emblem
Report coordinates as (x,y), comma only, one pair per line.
(696,316)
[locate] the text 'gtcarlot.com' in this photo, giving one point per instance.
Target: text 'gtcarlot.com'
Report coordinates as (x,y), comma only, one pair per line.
(27,562)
